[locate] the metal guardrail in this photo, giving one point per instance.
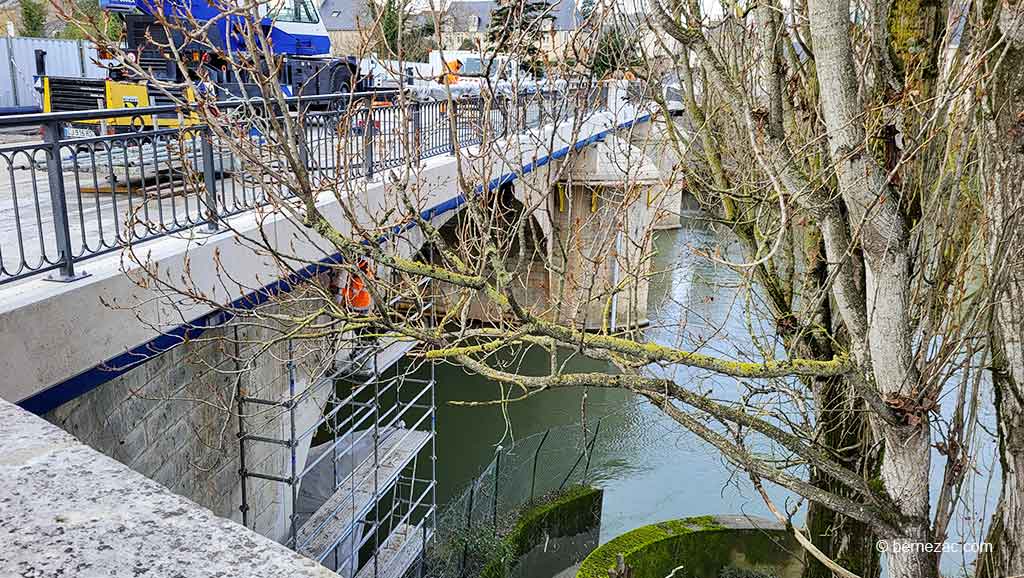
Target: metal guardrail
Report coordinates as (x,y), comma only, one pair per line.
(74,196)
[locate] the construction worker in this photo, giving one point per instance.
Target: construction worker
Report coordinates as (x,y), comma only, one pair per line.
(355,295)
(451,74)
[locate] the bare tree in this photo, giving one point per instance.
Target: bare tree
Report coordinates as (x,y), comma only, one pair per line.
(1001,180)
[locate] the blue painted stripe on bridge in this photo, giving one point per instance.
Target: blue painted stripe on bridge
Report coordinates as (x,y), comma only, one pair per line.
(71,388)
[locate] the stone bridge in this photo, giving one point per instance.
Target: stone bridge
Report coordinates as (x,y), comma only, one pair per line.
(74,351)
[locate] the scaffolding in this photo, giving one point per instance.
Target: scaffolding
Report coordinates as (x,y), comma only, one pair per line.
(357,486)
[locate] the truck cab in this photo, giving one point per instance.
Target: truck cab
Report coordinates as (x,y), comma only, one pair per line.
(293,27)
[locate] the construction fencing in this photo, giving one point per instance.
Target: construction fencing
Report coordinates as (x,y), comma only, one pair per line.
(75,58)
(469,526)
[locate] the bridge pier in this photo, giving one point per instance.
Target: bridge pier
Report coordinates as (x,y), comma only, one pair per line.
(594,226)
(604,215)
(664,141)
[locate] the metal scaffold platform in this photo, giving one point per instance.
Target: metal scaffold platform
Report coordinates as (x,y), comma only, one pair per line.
(398,553)
(359,483)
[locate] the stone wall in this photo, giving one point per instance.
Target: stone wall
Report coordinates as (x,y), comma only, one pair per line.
(175,419)
(70,511)
(700,547)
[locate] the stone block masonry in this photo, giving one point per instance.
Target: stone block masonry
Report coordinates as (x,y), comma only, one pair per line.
(602,242)
(67,510)
(174,419)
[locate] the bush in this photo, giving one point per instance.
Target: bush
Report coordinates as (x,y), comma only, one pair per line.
(33,17)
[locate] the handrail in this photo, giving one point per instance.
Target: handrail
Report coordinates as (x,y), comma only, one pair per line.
(40,118)
(77,195)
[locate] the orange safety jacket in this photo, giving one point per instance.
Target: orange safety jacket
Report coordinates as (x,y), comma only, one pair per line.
(355,294)
(451,72)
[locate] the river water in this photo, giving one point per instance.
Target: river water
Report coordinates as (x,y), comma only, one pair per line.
(650,468)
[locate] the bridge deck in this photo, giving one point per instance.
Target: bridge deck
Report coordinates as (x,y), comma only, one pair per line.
(125,189)
(38,319)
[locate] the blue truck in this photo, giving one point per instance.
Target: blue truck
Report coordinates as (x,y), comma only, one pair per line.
(293,28)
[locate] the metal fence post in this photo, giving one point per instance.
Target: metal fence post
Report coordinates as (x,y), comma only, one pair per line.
(13,68)
(536,454)
(497,474)
(368,131)
(587,449)
(469,524)
(480,116)
(209,178)
(303,148)
(453,127)
(414,141)
(301,134)
(58,204)
(503,112)
(81,58)
(590,452)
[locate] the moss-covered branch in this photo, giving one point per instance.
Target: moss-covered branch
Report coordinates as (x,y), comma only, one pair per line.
(656,353)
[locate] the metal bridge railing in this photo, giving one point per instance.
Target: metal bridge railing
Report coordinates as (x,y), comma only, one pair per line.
(76,195)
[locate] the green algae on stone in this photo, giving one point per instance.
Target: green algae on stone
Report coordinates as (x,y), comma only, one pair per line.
(701,545)
(568,513)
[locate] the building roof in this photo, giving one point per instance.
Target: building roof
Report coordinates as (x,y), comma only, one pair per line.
(344,14)
(475,15)
(471,16)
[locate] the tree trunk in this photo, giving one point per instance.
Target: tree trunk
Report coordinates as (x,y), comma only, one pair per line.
(842,427)
(905,468)
(1006,534)
(1004,207)
(1004,212)
(883,236)
(850,543)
